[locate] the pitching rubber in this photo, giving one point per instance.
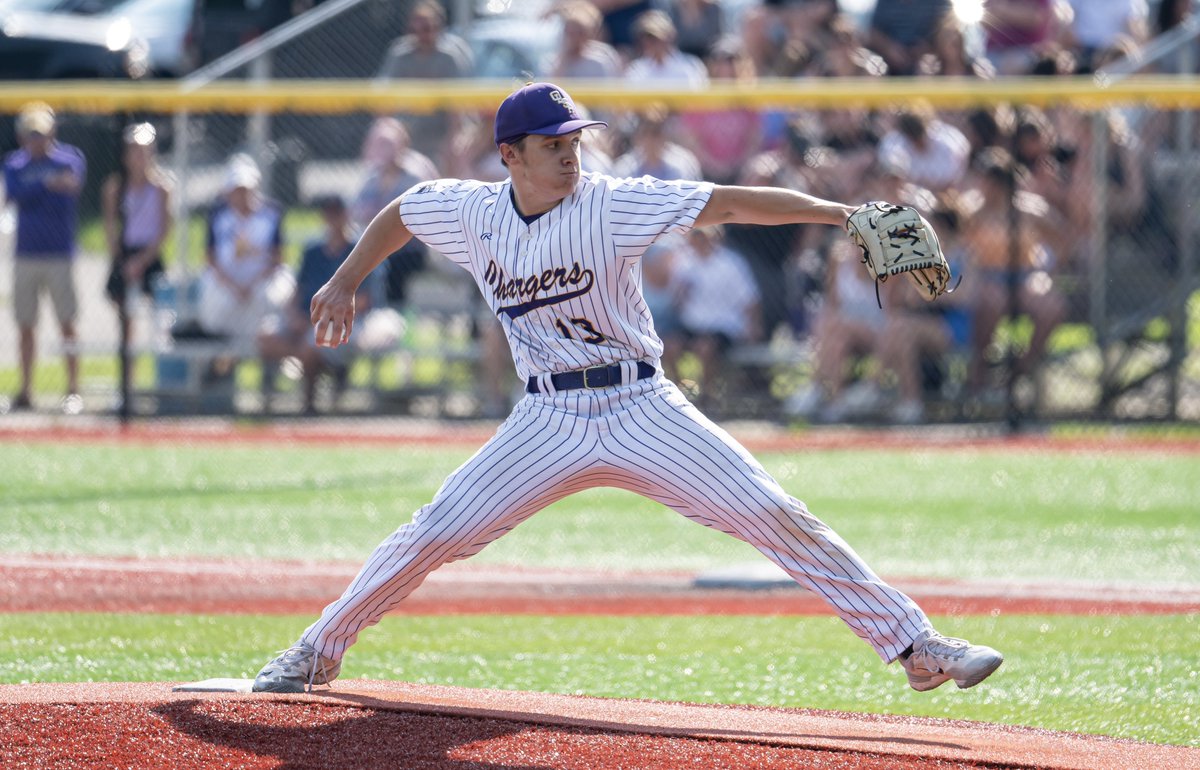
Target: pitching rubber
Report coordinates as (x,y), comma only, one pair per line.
(216,685)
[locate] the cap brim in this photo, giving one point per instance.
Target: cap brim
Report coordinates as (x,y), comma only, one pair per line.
(569,127)
(42,128)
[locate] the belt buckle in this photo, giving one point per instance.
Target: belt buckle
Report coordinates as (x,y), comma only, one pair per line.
(600,370)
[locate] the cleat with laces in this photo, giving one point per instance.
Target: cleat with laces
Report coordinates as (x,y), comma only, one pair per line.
(297,669)
(936,659)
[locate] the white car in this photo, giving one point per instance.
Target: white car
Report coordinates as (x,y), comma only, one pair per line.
(166,26)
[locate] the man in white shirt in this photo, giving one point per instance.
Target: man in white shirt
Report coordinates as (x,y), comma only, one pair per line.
(932,153)
(1100,24)
(718,305)
(245,281)
(661,61)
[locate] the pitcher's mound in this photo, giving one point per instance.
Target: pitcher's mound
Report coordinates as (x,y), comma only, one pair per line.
(361,723)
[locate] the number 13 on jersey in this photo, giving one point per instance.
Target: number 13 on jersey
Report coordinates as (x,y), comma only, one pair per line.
(588,332)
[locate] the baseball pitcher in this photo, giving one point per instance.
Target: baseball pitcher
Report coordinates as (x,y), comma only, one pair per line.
(555,251)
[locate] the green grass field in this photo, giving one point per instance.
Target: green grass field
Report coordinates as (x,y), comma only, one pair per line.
(1097,517)
(986,514)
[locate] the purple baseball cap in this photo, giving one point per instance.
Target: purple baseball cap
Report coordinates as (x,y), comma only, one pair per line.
(539,108)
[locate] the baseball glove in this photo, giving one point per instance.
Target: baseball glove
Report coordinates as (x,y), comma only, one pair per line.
(897,239)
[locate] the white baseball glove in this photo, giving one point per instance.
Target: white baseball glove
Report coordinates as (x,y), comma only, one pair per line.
(897,239)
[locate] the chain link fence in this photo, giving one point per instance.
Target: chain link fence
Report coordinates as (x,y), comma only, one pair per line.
(1072,226)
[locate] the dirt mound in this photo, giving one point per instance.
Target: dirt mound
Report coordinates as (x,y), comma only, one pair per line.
(362,724)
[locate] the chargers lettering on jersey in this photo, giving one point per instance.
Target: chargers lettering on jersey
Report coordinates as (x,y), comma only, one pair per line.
(505,288)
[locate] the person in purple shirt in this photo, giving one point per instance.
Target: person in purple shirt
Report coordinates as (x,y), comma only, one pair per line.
(43,178)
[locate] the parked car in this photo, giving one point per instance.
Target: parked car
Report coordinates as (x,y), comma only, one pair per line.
(85,7)
(40,46)
(511,40)
(167,26)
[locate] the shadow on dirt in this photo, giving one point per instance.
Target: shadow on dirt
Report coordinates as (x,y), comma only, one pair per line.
(316,736)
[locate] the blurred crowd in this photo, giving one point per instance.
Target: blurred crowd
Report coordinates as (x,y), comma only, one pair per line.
(1009,190)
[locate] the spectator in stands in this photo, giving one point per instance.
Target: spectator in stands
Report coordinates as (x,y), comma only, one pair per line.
(659,268)
(845,55)
(851,136)
(1039,155)
(951,56)
(724,139)
(934,152)
(801,163)
(1134,214)
(653,152)
(43,179)
(245,280)
(660,62)
(783,39)
(850,322)
(988,236)
(428,52)
(136,204)
(392,167)
(718,305)
(1017,31)
(891,179)
(1055,61)
(1099,25)
(917,334)
(581,53)
(986,127)
(620,19)
(902,31)
(762,36)
(849,326)
(288,333)
(698,24)
(811,28)
(1127,185)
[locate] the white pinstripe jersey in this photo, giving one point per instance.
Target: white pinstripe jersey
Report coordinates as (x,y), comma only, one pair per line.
(567,287)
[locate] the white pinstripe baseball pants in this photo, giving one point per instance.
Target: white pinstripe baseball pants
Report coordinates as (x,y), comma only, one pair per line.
(644,437)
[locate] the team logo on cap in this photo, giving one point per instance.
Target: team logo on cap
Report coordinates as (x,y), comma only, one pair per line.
(558,97)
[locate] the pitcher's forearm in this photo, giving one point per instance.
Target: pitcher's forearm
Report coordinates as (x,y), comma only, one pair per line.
(385,235)
(769,206)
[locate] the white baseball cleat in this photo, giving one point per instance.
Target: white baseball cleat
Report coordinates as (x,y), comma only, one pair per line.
(297,669)
(936,659)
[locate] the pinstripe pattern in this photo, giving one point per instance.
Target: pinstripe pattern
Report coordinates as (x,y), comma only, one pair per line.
(644,437)
(581,261)
(595,237)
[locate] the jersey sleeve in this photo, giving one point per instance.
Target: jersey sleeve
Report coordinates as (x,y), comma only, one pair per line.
(433,212)
(644,209)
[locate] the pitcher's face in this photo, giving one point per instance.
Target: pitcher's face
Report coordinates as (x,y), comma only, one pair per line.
(545,168)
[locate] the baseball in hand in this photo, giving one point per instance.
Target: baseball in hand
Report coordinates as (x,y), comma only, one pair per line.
(328,341)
